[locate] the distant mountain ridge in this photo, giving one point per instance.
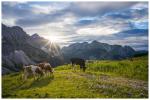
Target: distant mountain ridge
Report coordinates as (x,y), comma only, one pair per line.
(97,50)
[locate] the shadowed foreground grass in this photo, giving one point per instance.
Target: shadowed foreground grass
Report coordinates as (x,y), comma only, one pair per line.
(103,79)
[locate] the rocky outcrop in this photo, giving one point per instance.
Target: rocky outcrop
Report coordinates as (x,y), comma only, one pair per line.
(15,61)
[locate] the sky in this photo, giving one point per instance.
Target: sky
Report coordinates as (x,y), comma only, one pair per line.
(122,23)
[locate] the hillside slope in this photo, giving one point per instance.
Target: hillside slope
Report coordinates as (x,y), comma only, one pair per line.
(102,79)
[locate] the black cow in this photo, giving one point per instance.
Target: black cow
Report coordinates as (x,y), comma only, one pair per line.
(78,61)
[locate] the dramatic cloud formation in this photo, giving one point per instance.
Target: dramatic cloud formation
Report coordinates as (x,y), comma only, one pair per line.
(124,23)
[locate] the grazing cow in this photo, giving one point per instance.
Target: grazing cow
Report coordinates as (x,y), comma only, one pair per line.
(46,67)
(78,61)
(32,70)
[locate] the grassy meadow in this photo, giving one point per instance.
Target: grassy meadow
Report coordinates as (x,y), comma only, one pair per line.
(103,79)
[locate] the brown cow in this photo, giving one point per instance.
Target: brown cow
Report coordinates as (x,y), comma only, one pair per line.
(32,70)
(46,68)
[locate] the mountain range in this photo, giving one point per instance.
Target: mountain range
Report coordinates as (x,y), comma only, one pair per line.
(97,50)
(19,48)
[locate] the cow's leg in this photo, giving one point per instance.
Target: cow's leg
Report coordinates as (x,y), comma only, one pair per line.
(46,73)
(38,75)
(76,67)
(25,77)
(49,73)
(80,67)
(34,75)
(43,73)
(84,68)
(73,66)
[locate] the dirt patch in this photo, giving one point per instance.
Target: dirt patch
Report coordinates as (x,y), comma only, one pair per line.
(121,81)
(136,84)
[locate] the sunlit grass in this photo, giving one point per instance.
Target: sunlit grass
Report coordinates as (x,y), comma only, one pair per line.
(137,69)
(102,79)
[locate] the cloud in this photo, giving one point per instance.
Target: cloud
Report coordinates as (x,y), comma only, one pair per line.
(133,32)
(98,8)
(39,19)
(30,13)
(59,28)
(9,22)
(111,22)
(15,9)
(140,6)
(140,25)
(130,13)
(97,31)
(86,21)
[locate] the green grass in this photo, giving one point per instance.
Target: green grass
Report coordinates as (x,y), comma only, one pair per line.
(135,69)
(102,79)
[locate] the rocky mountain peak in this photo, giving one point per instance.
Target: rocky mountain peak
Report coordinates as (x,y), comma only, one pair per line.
(21,49)
(95,42)
(35,36)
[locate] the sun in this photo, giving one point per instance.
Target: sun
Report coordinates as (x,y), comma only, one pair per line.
(53,39)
